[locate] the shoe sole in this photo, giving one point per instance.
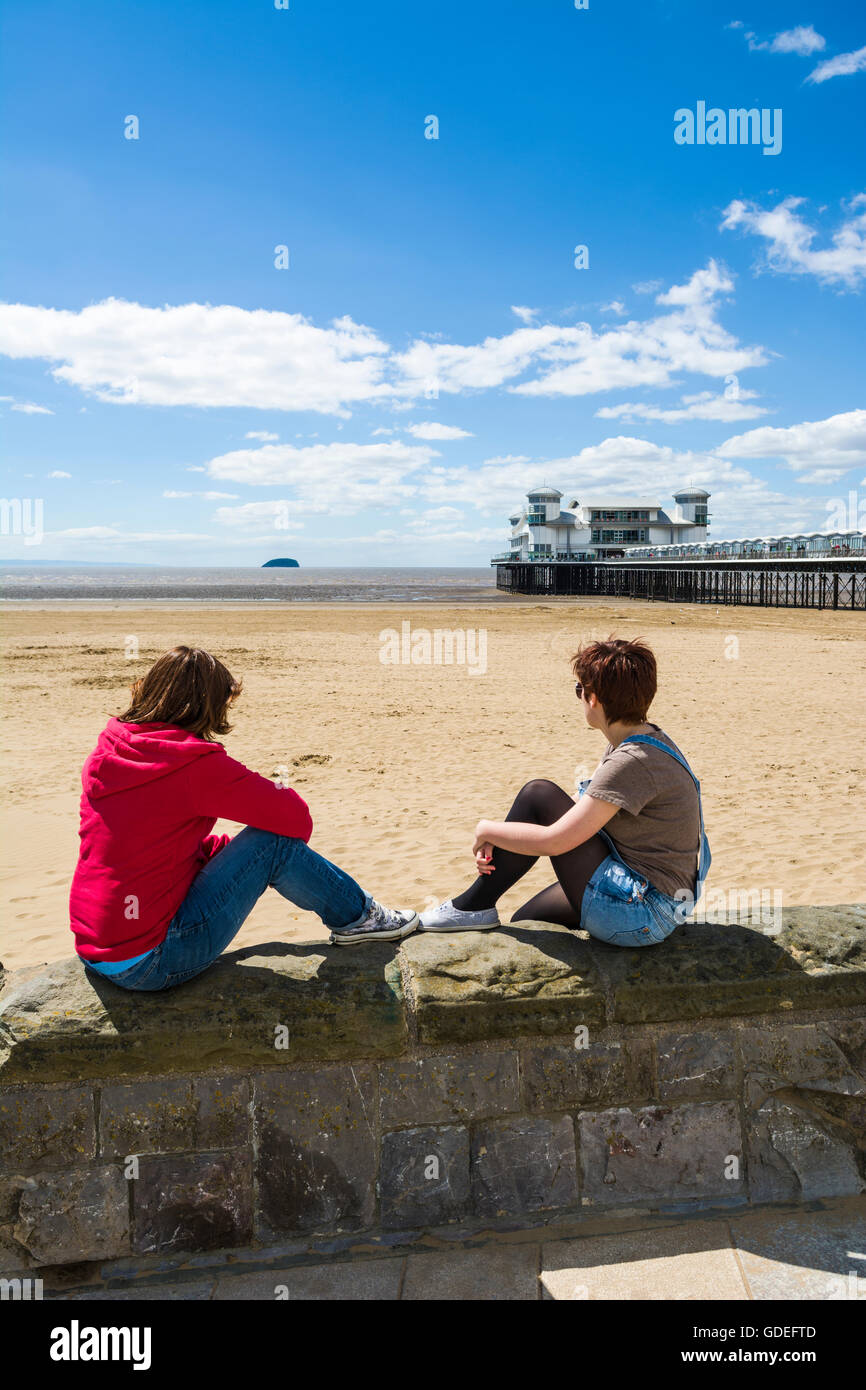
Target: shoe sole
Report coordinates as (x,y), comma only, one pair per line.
(461,926)
(361,940)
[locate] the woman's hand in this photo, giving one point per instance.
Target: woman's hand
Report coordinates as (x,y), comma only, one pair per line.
(483,850)
(482,860)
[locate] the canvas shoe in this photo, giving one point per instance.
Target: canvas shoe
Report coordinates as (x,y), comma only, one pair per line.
(380,924)
(447,917)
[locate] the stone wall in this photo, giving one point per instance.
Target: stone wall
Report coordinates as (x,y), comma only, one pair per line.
(468,1081)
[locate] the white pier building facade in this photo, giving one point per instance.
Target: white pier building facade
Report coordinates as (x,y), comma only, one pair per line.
(598,529)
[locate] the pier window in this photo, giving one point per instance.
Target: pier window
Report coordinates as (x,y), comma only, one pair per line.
(620,514)
(633,536)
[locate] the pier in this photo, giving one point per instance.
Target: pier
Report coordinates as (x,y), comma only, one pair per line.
(819,583)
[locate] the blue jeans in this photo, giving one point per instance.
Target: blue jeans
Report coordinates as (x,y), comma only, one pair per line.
(620,906)
(223,895)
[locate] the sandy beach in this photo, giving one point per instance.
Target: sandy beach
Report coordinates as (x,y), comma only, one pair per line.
(398,761)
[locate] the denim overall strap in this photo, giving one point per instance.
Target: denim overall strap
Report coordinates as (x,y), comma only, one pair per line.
(704,857)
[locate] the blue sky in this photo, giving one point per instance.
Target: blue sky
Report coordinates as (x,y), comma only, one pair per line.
(431,351)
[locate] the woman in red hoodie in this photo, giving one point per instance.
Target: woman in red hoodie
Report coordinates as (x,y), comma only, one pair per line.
(156,898)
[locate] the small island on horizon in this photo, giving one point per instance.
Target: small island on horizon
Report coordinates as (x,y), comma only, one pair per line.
(284,564)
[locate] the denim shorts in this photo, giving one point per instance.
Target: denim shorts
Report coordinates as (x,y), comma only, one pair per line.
(620,907)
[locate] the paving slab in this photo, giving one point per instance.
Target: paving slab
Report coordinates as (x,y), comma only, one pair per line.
(494,1274)
(197,1291)
(363,1280)
(694,1261)
(804,1255)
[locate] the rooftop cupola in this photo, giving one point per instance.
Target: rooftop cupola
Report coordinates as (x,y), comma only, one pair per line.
(543,505)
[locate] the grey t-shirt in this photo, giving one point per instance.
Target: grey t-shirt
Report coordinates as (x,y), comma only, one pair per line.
(657,828)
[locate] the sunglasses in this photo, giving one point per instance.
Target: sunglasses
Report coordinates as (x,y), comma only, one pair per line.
(578,690)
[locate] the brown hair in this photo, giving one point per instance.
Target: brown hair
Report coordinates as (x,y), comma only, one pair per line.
(622,676)
(187,687)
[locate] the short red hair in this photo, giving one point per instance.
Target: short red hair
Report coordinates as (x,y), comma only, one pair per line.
(621,674)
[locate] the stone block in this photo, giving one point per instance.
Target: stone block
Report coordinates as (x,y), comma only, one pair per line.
(564,1078)
(145,1117)
(222,1112)
(696,1066)
(193,1202)
(173,1114)
(316,1161)
(57,1022)
(523,1165)
(77,1215)
(527,979)
(46,1127)
(424,1176)
(433,1090)
(704,970)
(660,1154)
(797,1057)
(794,1156)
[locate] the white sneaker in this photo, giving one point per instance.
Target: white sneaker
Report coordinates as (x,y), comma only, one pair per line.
(447,917)
(380,924)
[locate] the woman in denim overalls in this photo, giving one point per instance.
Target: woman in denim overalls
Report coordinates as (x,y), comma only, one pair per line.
(595,887)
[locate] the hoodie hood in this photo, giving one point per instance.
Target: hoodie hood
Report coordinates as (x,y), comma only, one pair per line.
(131,755)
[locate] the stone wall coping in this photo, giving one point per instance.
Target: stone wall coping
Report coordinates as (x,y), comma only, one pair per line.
(266,1006)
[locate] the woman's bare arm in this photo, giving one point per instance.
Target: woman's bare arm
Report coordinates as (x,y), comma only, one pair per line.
(580,823)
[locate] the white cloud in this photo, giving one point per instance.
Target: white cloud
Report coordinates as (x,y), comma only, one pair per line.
(217,356)
(341,478)
(688,338)
(841,66)
(615,306)
(821,450)
(789,240)
(705,405)
(112,533)
(208,496)
(200,355)
(26,407)
(430,430)
(483,535)
(264,436)
(577,361)
(59,473)
(647,286)
(803,40)
(524,313)
(432,514)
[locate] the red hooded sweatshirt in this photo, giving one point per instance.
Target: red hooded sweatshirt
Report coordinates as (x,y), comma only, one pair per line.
(151,795)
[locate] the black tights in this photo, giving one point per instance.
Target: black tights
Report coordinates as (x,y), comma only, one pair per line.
(540,803)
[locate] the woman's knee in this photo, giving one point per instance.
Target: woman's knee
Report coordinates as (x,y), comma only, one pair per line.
(540,797)
(521,915)
(270,841)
